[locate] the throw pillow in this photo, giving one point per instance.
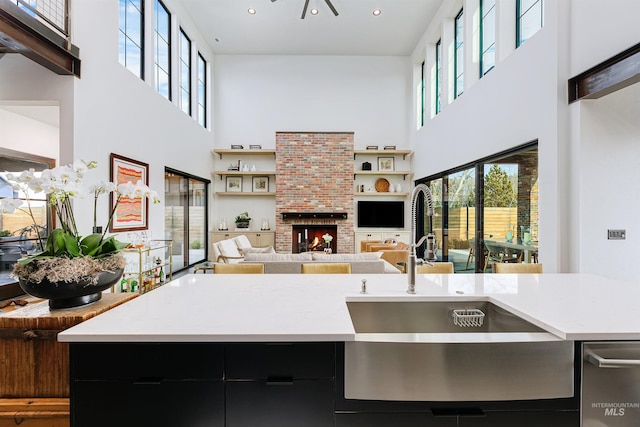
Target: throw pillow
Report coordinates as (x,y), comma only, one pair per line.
(278,257)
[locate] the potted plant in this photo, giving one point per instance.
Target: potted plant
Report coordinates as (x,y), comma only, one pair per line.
(70,269)
(243,220)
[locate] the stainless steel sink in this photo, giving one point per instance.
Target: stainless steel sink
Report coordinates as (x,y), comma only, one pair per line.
(414,350)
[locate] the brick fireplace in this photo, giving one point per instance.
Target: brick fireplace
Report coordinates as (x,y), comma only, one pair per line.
(315,175)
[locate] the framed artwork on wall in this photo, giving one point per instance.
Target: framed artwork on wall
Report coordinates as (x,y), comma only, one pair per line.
(386,164)
(260,184)
(130,214)
(234,184)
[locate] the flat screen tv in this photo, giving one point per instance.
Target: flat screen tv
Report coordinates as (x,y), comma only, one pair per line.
(380,214)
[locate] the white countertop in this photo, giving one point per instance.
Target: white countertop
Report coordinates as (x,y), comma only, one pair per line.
(290,307)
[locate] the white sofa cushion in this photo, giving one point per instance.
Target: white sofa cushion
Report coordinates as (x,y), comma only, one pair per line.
(229,250)
(278,257)
(242,242)
(364,256)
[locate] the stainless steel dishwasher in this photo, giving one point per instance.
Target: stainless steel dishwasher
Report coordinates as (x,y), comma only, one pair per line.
(610,384)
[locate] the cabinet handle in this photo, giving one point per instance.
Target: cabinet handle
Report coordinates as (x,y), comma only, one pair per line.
(602,362)
(149,380)
(279,380)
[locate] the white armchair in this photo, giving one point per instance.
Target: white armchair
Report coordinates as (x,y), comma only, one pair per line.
(232,251)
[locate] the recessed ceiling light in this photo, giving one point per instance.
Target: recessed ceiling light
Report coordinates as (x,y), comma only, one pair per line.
(314,11)
(377,12)
(251,11)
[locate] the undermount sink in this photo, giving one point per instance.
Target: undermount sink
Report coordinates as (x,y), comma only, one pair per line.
(395,320)
(418,351)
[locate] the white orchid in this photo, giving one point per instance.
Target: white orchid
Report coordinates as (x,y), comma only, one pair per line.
(327,238)
(62,184)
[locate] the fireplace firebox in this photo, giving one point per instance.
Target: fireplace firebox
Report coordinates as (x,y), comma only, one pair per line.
(310,238)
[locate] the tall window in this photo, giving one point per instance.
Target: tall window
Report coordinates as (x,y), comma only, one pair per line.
(131,42)
(438,82)
(185,72)
(458,65)
(202,91)
(530,17)
(162,40)
(186,217)
(422,87)
(487,36)
(493,201)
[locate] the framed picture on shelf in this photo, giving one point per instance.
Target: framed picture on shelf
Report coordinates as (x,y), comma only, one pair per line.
(130,214)
(386,164)
(260,184)
(234,184)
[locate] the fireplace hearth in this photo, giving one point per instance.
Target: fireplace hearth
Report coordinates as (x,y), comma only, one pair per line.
(308,238)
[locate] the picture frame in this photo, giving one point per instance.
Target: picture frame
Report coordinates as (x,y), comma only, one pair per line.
(386,164)
(234,184)
(260,184)
(130,214)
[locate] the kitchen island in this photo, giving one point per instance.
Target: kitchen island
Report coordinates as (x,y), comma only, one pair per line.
(266,350)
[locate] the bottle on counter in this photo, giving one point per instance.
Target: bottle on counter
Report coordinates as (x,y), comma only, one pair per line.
(124,286)
(161,275)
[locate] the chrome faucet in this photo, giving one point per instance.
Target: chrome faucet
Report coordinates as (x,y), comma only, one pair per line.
(430,254)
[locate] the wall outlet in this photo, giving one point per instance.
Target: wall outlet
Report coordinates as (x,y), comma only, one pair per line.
(616,234)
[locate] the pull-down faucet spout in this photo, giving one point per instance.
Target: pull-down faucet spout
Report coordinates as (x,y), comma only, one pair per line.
(430,253)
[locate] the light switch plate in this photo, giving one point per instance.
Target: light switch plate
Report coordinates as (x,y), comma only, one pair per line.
(616,234)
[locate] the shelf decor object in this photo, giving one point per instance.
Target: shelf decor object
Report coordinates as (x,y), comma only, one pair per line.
(386,164)
(234,184)
(260,184)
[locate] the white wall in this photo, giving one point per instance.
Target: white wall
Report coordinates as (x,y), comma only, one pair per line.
(606,143)
(256,96)
(115,112)
(22,133)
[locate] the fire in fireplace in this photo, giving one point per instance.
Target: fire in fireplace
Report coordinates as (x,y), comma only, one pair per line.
(309,238)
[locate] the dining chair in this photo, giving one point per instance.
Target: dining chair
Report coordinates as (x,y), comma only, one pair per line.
(472,249)
(517,268)
(497,254)
(239,269)
(436,268)
(326,268)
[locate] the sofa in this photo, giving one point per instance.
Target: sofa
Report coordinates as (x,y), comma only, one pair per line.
(230,251)
(369,263)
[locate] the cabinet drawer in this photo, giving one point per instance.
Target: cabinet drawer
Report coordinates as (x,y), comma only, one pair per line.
(393,419)
(167,361)
(290,360)
(522,419)
(129,404)
(307,403)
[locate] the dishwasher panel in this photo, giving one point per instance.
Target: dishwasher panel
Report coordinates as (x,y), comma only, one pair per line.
(610,384)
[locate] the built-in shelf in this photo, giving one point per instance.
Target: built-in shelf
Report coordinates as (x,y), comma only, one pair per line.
(238,152)
(379,193)
(244,173)
(403,153)
(244,193)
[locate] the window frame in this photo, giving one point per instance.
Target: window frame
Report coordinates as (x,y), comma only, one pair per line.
(438,82)
(140,44)
(201,82)
(483,49)
(157,66)
(182,56)
(519,18)
(458,47)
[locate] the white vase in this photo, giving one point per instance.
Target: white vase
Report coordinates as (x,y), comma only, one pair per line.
(398,188)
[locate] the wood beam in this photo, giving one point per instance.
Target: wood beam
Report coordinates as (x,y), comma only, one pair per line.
(609,76)
(21,33)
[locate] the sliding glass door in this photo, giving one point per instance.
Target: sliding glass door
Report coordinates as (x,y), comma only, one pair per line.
(186,217)
(493,200)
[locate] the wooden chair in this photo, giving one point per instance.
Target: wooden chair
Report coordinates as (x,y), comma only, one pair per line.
(497,254)
(326,268)
(472,249)
(517,268)
(239,269)
(436,268)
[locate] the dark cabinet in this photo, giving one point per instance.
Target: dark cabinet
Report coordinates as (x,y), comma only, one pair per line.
(393,419)
(522,419)
(280,384)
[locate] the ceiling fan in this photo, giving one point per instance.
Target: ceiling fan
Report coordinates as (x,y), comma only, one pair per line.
(306,5)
